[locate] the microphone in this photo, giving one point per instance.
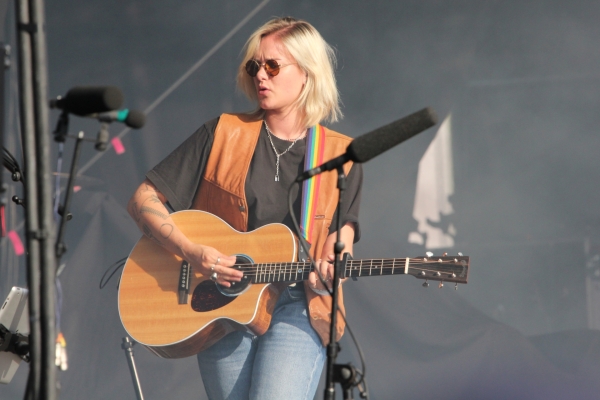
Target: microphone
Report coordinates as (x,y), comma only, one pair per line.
(84,100)
(372,144)
(132,118)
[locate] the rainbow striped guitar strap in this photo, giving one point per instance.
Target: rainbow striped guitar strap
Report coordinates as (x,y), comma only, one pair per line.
(315,148)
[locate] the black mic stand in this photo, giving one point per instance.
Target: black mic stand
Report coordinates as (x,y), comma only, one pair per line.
(60,135)
(344,374)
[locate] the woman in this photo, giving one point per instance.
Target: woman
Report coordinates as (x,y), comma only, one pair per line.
(240,167)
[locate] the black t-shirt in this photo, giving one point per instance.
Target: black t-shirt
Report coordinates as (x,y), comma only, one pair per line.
(178,177)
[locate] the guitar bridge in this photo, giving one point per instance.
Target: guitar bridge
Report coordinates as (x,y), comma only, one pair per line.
(184,283)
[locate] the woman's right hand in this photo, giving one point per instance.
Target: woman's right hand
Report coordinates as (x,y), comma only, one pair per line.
(147,209)
(208,260)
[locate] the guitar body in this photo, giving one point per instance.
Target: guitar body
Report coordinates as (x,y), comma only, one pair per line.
(148,291)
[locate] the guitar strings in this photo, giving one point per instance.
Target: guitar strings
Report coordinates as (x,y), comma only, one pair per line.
(378,266)
(375,263)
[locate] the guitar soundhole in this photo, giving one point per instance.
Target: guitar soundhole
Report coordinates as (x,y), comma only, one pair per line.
(209,296)
(237,288)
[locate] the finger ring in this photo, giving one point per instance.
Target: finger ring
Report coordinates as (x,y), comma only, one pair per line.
(214,276)
(218,260)
(212,269)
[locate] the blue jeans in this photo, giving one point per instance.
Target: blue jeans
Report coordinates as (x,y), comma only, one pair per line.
(284,363)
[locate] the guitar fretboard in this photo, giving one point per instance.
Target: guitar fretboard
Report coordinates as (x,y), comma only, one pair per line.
(444,268)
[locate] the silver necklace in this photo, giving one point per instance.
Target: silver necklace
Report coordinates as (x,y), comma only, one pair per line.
(269,133)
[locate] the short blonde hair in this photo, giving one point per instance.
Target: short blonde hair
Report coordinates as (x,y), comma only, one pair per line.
(319,98)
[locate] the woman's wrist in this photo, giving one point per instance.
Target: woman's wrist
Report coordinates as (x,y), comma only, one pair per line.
(324,292)
(320,292)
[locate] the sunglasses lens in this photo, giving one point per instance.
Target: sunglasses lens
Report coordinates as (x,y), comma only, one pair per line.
(252,67)
(272,67)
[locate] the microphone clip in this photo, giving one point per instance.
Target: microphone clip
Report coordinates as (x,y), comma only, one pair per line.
(62,127)
(102,137)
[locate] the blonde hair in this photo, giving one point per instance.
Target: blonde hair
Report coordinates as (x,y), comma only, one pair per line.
(319,98)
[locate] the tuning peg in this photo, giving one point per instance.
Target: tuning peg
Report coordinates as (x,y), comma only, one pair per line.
(425,284)
(441,285)
(460,254)
(429,254)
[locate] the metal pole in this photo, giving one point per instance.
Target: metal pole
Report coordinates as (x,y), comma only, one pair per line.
(127,345)
(46,213)
(60,246)
(31,196)
(338,248)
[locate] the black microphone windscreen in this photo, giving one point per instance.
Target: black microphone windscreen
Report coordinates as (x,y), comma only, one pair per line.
(371,144)
(84,100)
(135,119)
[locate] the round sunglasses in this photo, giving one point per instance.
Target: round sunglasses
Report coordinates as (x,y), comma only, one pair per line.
(272,67)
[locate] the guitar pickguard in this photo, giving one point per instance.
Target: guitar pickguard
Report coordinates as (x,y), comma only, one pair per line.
(207,297)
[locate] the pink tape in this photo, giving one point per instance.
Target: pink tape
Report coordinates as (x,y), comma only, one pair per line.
(76,188)
(16,242)
(118,145)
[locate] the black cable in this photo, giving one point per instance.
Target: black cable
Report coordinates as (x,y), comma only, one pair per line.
(305,246)
(12,165)
(117,265)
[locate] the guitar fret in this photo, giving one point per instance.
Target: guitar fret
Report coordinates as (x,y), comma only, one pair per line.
(263,267)
(299,271)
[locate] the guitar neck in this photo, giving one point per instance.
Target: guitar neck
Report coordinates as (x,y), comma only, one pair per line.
(450,269)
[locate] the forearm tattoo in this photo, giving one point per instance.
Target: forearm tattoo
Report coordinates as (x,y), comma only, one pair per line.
(166,230)
(145,209)
(153,199)
(149,235)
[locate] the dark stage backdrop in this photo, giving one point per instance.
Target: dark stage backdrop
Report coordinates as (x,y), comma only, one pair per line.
(520,81)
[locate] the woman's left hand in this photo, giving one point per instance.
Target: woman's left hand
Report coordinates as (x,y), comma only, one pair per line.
(326,269)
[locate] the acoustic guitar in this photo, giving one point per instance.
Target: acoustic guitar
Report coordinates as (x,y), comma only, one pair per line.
(177,312)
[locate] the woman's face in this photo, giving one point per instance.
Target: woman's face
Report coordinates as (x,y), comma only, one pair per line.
(277,93)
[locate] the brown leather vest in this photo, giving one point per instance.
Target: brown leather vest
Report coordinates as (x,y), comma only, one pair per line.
(222,192)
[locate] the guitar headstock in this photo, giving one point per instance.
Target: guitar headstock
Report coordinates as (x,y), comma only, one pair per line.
(446,268)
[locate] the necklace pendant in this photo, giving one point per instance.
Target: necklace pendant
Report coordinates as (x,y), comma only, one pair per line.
(276,178)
